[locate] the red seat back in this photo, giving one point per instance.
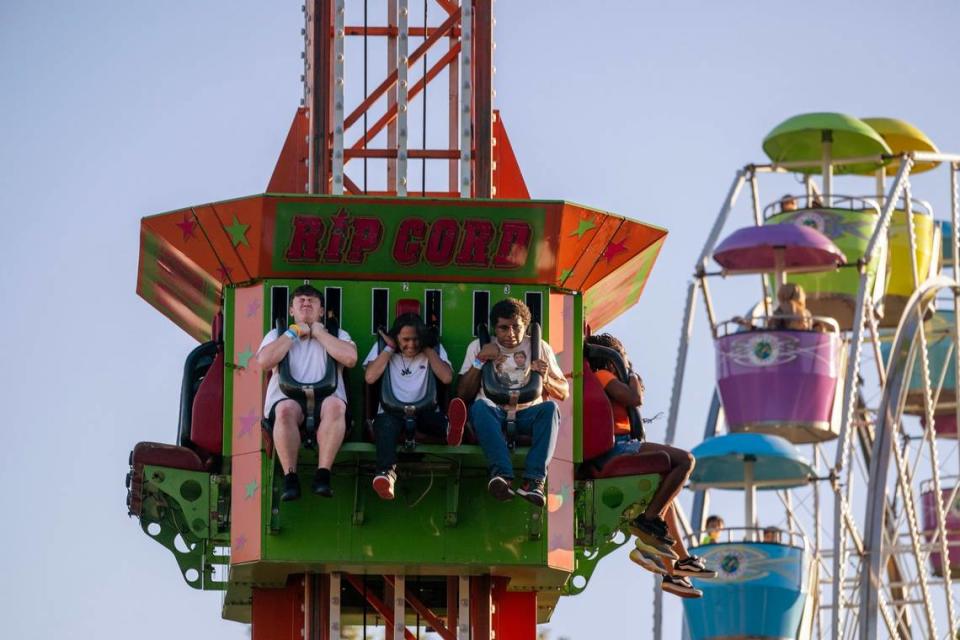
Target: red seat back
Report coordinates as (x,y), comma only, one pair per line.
(206,427)
(408,305)
(597,416)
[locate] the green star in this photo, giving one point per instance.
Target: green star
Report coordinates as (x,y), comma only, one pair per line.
(251,488)
(584,226)
(566,273)
(244,357)
(238,233)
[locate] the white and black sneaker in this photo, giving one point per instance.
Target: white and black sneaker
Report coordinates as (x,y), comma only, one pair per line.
(499,487)
(680,586)
(532,491)
(649,561)
(693,567)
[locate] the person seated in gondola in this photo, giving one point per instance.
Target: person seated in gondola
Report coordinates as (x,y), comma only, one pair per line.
(788,203)
(521,365)
(656,528)
(791,312)
(772,535)
(714,526)
(302,351)
(410,356)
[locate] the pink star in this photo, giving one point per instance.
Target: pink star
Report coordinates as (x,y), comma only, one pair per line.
(247,422)
(241,542)
(614,248)
(252,307)
(187,226)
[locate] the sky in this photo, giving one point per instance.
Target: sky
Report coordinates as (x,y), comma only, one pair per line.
(117,110)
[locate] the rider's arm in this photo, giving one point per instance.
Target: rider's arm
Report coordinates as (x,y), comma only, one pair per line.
(440,368)
(342,351)
(628,395)
(374,368)
(469,383)
(272,353)
(554,382)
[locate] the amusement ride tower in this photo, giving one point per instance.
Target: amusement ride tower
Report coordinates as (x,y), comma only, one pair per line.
(346,211)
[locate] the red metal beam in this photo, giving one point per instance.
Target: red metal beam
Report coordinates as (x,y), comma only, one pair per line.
(318,83)
(448,6)
(391,113)
(432,619)
(277,614)
(483,98)
(378,605)
(392,78)
(480,608)
(416,32)
(514,612)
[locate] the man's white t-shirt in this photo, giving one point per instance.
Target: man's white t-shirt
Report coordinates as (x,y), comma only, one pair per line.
(514,371)
(408,376)
(308,363)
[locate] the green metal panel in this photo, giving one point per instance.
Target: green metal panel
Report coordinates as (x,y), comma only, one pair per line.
(229,308)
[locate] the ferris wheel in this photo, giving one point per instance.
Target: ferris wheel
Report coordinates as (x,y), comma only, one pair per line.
(835,408)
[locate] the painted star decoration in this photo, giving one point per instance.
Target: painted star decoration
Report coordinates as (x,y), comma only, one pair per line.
(584,226)
(243,358)
(241,542)
(187,226)
(238,233)
(252,307)
(247,422)
(566,273)
(224,272)
(614,248)
(250,488)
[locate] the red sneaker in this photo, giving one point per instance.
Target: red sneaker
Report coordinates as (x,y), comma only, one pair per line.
(457,418)
(383,484)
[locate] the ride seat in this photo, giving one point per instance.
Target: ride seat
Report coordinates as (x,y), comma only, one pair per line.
(598,438)
(160,455)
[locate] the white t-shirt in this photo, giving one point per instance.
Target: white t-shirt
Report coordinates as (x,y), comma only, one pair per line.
(308,363)
(515,370)
(408,376)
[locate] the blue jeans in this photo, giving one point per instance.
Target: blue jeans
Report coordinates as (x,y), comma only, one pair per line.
(541,421)
(623,445)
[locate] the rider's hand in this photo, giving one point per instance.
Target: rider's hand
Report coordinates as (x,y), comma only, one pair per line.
(317,329)
(540,366)
(489,351)
(389,341)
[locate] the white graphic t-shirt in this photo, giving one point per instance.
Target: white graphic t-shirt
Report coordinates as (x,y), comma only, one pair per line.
(513,367)
(408,376)
(308,363)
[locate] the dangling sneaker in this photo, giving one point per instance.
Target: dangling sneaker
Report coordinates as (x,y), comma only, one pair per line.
(680,586)
(291,487)
(532,491)
(456,419)
(649,561)
(693,567)
(383,484)
(653,531)
(499,487)
(321,483)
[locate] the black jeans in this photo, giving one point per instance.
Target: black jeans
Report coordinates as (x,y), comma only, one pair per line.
(388,427)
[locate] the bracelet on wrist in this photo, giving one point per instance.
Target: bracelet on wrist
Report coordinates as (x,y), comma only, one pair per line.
(477,363)
(387,349)
(296,330)
(290,334)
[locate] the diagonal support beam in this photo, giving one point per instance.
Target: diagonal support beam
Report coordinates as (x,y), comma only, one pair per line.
(391,80)
(379,606)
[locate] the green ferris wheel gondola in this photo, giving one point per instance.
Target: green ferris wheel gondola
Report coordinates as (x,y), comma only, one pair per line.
(818,137)
(903,137)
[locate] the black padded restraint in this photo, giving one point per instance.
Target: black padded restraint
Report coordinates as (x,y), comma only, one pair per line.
(309,394)
(623,375)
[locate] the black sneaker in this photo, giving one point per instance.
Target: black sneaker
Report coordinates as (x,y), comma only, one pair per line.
(291,487)
(532,491)
(680,586)
(648,529)
(321,483)
(499,487)
(693,567)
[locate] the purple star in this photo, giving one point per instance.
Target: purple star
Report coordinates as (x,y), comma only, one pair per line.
(187,226)
(241,542)
(252,307)
(223,273)
(247,422)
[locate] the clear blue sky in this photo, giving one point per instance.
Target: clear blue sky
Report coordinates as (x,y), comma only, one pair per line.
(115,110)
